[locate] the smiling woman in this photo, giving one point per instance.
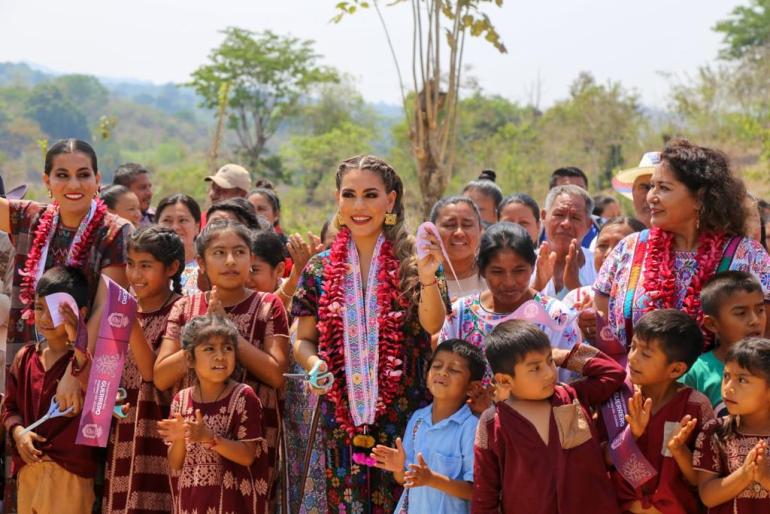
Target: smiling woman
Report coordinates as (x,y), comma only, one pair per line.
(459,224)
(698,228)
(75,230)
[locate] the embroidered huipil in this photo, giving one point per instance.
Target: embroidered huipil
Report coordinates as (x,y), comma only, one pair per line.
(722,456)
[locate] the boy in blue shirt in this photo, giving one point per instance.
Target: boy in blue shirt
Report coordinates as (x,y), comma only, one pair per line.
(435,459)
(734,308)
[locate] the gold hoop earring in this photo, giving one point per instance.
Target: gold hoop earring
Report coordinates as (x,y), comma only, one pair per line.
(390,219)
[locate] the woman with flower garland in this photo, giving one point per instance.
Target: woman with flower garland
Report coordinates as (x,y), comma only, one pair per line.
(75,229)
(698,227)
(366,309)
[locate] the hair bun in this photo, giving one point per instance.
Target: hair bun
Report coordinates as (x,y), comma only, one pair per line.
(264,183)
(488,175)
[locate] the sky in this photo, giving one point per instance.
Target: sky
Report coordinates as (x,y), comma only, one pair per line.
(549,41)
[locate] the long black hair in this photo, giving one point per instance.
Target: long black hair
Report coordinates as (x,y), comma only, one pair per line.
(164,245)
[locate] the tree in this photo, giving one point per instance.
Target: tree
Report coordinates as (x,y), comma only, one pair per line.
(267,75)
(592,127)
(747,29)
(335,124)
(56,114)
(440,28)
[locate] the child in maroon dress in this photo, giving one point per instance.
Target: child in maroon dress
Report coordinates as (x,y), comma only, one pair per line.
(136,475)
(731,454)
(665,416)
(217,455)
(537,450)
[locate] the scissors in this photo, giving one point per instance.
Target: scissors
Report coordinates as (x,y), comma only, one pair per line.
(120,398)
(314,376)
(53,412)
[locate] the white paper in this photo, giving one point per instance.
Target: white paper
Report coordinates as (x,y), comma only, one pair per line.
(54,300)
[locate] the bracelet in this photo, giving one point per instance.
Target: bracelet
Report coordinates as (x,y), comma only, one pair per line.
(212,444)
(77,369)
(423,286)
(281,292)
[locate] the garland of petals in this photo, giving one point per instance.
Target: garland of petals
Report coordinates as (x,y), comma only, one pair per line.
(331,347)
(76,256)
(660,278)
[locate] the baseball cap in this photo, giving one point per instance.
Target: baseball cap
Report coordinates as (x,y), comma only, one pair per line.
(231,176)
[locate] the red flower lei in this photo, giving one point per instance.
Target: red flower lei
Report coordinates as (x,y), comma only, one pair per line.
(331,347)
(78,252)
(660,278)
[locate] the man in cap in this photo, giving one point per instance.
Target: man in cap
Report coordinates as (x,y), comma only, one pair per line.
(634,183)
(230,181)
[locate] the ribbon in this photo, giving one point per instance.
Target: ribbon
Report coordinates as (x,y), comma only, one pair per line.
(422,241)
(534,312)
(626,456)
(115,328)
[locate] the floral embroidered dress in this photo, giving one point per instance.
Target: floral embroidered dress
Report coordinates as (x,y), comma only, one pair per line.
(259,316)
(616,273)
(109,249)
(722,456)
(208,483)
(349,487)
(469,320)
(136,476)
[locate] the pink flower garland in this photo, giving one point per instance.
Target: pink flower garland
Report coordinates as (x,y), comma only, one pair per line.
(331,347)
(660,278)
(78,252)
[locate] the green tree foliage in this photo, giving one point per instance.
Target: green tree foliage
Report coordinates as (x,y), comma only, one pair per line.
(440,29)
(268,75)
(747,29)
(58,116)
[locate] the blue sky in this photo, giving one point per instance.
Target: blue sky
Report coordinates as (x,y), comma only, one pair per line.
(549,41)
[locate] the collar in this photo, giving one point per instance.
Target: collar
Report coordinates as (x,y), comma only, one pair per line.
(457,418)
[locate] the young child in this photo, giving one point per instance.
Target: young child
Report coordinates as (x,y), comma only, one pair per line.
(136,472)
(122,201)
(216,452)
(734,308)
(664,416)
(225,256)
(538,450)
(435,459)
(731,454)
(54,473)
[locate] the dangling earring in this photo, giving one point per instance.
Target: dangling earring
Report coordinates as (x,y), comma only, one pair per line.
(390,218)
(50,194)
(339,220)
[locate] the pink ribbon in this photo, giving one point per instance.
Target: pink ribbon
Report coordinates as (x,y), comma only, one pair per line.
(422,242)
(107,367)
(626,456)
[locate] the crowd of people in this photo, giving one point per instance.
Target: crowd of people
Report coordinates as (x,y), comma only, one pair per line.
(515,359)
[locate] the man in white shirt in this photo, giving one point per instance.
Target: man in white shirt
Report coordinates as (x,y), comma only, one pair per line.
(566,220)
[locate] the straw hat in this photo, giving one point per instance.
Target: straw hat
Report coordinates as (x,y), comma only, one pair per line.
(623,182)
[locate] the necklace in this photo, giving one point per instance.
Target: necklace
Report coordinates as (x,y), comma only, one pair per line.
(200,393)
(347,353)
(44,231)
(660,272)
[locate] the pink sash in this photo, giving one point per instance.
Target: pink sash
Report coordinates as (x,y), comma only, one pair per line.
(111,346)
(624,453)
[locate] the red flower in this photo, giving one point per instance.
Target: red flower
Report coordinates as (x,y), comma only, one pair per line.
(331,344)
(660,278)
(76,256)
